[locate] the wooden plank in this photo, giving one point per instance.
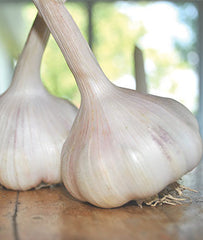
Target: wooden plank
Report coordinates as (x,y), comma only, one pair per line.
(51,213)
(7,214)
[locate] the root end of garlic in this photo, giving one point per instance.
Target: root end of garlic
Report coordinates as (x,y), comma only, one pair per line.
(171,195)
(46,185)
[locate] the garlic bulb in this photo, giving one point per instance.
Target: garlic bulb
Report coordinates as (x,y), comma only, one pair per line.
(33,123)
(123,145)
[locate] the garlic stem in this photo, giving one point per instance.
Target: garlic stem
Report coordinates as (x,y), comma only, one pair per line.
(74,47)
(140,78)
(27,71)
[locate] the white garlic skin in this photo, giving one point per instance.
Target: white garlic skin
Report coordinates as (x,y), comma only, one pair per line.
(128,146)
(33,123)
(32,129)
(123,145)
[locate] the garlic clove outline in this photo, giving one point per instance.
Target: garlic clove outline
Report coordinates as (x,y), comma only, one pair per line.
(33,123)
(117,159)
(123,145)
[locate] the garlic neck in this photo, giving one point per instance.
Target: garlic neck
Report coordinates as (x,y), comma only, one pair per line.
(27,72)
(79,57)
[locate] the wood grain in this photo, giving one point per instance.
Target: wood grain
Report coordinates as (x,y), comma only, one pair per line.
(51,213)
(7,214)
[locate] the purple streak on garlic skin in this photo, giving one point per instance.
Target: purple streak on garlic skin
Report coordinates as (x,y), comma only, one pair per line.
(33,123)
(123,145)
(111,170)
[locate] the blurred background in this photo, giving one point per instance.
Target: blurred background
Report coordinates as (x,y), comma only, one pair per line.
(167,33)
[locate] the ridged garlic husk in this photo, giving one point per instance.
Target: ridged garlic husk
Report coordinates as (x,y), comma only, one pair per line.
(33,123)
(123,145)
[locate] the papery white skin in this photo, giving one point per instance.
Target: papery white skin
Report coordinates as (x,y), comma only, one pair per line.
(124,145)
(33,123)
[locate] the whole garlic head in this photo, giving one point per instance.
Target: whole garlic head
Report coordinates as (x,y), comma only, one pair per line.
(33,123)
(128,146)
(123,145)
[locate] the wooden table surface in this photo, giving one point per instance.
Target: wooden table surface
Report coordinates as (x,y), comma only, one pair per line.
(51,213)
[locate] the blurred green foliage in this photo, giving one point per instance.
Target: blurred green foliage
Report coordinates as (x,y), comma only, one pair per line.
(115,36)
(55,73)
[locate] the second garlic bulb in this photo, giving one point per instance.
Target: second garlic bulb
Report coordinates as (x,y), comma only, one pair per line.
(33,123)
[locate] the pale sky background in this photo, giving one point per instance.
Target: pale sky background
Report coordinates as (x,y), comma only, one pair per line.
(160,36)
